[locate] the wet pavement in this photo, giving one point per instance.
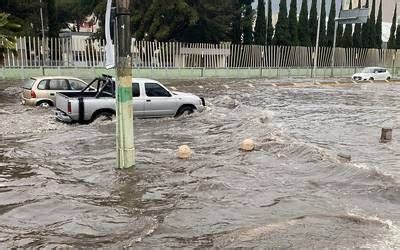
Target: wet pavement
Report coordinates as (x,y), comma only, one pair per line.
(59,186)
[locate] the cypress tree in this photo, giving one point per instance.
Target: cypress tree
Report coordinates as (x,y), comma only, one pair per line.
(236,29)
(339,37)
(379,27)
(357,40)
(372,27)
(331,24)
(293,25)
(260,33)
(313,22)
(303,27)
(347,39)
(322,28)
(398,37)
(282,36)
(365,30)
(54,27)
(392,41)
(248,24)
(270,27)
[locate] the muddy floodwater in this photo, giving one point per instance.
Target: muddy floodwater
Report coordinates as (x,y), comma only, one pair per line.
(59,186)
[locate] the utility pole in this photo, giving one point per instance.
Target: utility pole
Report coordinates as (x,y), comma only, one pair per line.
(43,39)
(125,137)
(334,41)
(317,44)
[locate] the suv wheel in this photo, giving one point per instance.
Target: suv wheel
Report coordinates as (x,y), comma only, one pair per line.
(45,104)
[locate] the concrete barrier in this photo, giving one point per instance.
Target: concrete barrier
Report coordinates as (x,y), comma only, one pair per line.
(182,73)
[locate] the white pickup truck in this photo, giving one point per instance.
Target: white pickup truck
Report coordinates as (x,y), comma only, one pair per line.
(150,99)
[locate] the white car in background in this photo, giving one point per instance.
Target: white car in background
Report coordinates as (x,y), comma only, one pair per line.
(372,73)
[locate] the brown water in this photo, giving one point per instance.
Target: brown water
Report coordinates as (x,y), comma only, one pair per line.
(59,186)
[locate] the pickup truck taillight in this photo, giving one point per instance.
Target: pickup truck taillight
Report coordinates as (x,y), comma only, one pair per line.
(69,108)
(33,94)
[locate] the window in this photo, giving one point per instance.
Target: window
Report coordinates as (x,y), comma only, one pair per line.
(58,84)
(155,90)
(42,85)
(368,70)
(28,83)
(135,90)
(76,85)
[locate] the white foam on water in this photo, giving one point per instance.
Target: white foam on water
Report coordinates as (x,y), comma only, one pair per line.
(388,240)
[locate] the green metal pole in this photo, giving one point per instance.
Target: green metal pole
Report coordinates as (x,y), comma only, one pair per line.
(125,137)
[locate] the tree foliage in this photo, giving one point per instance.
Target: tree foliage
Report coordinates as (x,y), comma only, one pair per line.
(322,28)
(365,29)
(357,39)
(270,27)
(303,27)
(397,40)
(26,14)
(7,35)
(392,39)
(379,27)
(313,22)
(347,35)
(372,27)
(248,24)
(339,38)
(293,24)
(260,30)
(211,21)
(331,24)
(282,36)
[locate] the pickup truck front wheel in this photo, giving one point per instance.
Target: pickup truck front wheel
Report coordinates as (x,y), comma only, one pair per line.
(185,110)
(103,115)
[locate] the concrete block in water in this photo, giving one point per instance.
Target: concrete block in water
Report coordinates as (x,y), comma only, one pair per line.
(386,134)
(344,157)
(184,152)
(247,145)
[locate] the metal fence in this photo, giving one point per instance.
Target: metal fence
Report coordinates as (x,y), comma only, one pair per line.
(68,52)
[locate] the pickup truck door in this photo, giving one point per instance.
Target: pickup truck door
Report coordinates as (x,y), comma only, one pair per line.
(159,101)
(138,100)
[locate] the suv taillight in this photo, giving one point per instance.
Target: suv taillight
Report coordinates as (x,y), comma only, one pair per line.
(69,108)
(33,94)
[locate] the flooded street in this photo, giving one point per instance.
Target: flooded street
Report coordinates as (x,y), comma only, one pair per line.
(59,186)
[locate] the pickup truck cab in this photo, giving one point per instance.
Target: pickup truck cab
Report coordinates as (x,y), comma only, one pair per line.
(150,99)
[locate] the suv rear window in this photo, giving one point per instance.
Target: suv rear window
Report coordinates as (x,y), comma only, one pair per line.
(28,83)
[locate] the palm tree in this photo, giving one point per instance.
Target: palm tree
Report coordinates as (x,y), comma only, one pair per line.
(7,39)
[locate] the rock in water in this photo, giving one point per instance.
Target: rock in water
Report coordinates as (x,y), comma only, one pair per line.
(247,145)
(184,152)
